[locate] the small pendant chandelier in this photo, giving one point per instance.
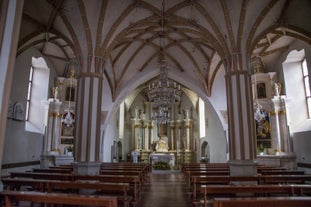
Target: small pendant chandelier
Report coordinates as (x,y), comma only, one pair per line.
(68,117)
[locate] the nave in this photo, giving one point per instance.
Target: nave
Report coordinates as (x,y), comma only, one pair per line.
(165,189)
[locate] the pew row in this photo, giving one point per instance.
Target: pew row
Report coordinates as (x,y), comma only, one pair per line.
(263,201)
(259,180)
(211,192)
(133,180)
(120,190)
(10,197)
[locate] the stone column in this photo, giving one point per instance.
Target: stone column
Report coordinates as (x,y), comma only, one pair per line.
(52,132)
(88,116)
(187,127)
(284,133)
(46,115)
(179,135)
(150,128)
(275,130)
(241,119)
(145,135)
(172,140)
(280,134)
(136,125)
(53,128)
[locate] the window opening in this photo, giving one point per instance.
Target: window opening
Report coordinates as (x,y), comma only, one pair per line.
(29,93)
(306,80)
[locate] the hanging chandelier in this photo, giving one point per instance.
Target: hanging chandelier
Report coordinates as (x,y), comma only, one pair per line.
(162,116)
(163,91)
(68,117)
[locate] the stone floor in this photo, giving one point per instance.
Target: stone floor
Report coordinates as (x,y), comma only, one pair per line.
(166,188)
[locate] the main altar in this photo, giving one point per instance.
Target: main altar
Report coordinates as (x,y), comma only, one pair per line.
(170,142)
(162,153)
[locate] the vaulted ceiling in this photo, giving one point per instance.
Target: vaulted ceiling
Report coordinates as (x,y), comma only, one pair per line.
(128,37)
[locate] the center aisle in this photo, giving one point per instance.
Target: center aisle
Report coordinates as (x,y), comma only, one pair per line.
(165,189)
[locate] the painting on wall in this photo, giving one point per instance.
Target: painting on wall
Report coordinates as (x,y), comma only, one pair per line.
(263,131)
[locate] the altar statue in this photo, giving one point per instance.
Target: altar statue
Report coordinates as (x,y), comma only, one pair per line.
(161,145)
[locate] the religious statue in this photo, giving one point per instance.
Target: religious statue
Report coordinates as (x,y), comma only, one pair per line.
(161,145)
(277,89)
(55,92)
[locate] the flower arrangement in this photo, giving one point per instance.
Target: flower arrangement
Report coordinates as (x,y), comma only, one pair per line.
(260,148)
(69,148)
(161,166)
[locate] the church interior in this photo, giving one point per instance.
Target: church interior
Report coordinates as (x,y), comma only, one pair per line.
(142,94)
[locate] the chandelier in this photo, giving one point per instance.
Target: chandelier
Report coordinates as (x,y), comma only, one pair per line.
(162,116)
(163,91)
(68,117)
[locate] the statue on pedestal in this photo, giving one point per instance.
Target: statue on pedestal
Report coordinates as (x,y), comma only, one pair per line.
(161,145)
(277,89)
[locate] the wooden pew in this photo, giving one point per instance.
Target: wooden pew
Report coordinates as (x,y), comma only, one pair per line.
(133,180)
(197,181)
(52,170)
(282,172)
(49,176)
(133,172)
(142,169)
(190,174)
(210,191)
(120,190)
(145,167)
(263,201)
(260,179)
(285,179)
(57,198)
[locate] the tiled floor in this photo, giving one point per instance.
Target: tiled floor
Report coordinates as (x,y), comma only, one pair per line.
(165,189)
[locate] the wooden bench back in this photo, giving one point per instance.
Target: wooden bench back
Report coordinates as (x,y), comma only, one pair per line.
(263,201)
(57,198)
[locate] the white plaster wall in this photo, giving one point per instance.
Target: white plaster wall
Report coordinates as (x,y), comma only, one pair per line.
(300,125)
(20,145)
(215,136)
(216,114)
(218,97)
(109,135)
(302,145)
